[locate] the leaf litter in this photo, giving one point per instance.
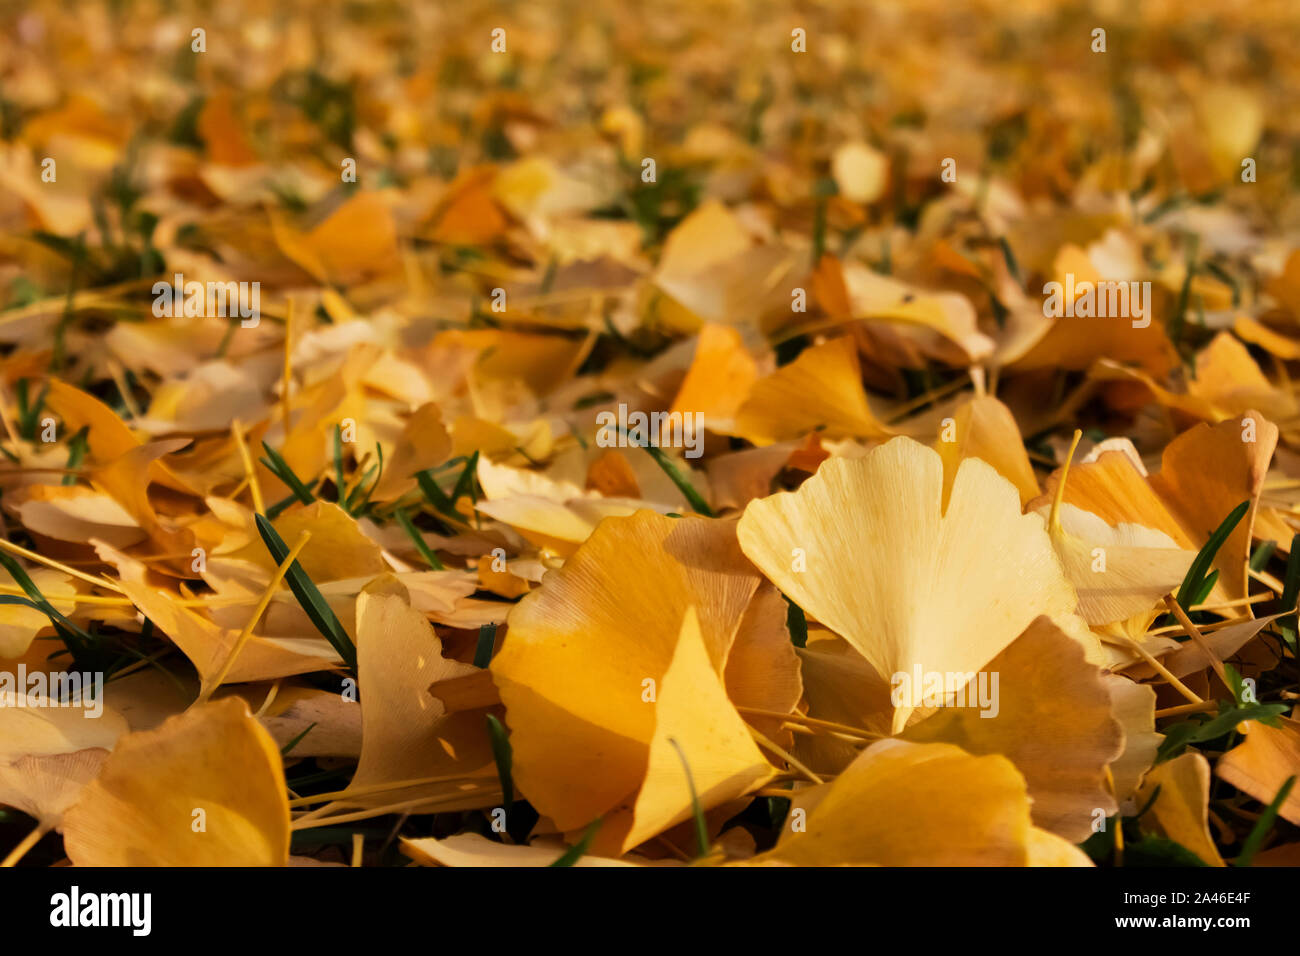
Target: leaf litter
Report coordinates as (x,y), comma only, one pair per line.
(445,435)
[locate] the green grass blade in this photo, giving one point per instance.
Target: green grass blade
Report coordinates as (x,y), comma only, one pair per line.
(1263,825)
(1179,736)
(1203,593)
(1195,579)
(701,829)
(1151,800)
(29,415)
(796,623)
(503,754)
(39,603)
(274,511)
(379,476)
(1013,267)
(1235,684)
(280,468)
(78,640)
(361,483)
(576,852)
(487,637)
(436,497)
(1225,722)
(70,632)
(467,483)
(1290,592)
(688,490)
(418,540)
(284,751)
(669,467)
(76,453)
(308,595)
(353,506)
(1263,554)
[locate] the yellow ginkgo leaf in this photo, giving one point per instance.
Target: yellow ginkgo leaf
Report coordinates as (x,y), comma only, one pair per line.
(738,477)
(48,754)
(557,525)
(985,428)
(357,240)
(1261,763)
(45,785)
(1118,572)
(468,213)
(1205,472)
(126,479)
(860,172)
(208,644)
(841,687)
(865,547)
(76,514)
(936,321)
(1047,849)
(406,733)
(1050,714)
(1134,706)
(696,267)
(319,723)
(204,789)
(1232,119)
(1181,807)
(697,732)
(494,576)
(1229,380)
(424,443)
(908,804)
(337,550)
(582,668)
(820,389)
(541,362)
(222,132)
(762,670)
(612,475)
(473,849)
(1076,342)
(1190,657)
(107,436)
(37,729)
(317,410)
(1257,333)
(720,377)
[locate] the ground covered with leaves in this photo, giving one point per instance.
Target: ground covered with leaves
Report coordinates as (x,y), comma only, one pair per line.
(482,434)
